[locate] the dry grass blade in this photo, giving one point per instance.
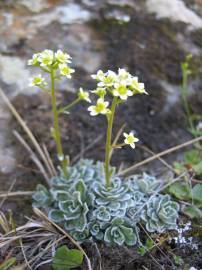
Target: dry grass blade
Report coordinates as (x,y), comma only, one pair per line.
(24,255)
(4,223)
(42,215)
(31,243)
(77,157)
(120,131)
(39,256)
(163,153)
(16,194)
(27,231)
(32,156)
(4,198)
(159,158)
(26,129)
(117,138)
(54,173)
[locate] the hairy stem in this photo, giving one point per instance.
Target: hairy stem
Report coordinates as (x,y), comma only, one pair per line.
(57,136)
(108,146)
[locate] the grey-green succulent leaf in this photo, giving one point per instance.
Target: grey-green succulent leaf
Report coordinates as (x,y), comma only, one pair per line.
(96,231)
(80,236)
(160,214)
(42,197)
(56,215)
(119,234)
(102,213)
(144,183)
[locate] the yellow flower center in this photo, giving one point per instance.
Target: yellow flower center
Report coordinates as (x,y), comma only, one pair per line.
(100,107)
(122,90)
(130,139)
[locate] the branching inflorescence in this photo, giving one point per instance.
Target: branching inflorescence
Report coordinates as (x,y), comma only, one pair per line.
(120,86)
(56,65)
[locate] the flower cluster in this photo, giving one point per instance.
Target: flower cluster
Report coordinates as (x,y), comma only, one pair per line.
(56,66)
(121,85)
(48,60)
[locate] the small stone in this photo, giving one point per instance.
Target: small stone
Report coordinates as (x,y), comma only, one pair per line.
(34,5)
(175,10)
(13,72)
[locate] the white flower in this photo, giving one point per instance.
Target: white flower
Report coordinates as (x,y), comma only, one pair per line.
(83,95)
(123,75)
(138,88)
(99,76)
(101,92)
(130,139)
(34,60)
(37,81)
(105,79)
(108,80)
(46,58)
(65,70)
(122,91)
(62,57)
(99,108)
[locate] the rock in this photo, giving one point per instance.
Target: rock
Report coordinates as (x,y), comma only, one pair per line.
(174,10)
(7,152)
(119,15)
(34,5)
(14,73)
(7,158)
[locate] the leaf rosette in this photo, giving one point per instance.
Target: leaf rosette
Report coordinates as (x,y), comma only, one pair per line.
(116,198)
(80,236)
(160,214)
(145,183)
(97,228)
(118,233)
(42,197)
(72,207)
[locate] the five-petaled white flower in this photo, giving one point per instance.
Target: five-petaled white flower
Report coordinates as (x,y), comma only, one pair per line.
(99,76)
(65,70)
(122,91)
(37,81)
(62,57)
(138,88)
(108,80)
(46,58)
(123,75)
(100,91)
(34,60)
(130,139)
(99,108)
(83,95)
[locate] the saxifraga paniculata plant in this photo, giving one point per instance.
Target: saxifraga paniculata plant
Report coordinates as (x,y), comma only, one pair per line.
(89,199)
